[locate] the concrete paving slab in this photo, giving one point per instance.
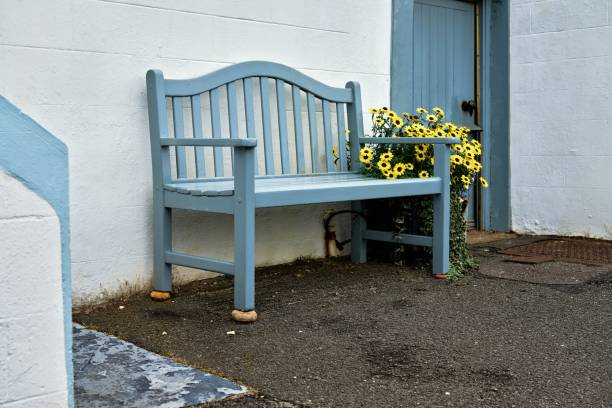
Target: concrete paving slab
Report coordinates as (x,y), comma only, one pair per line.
(110,372)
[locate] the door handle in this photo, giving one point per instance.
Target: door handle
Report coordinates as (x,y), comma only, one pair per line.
(469,106)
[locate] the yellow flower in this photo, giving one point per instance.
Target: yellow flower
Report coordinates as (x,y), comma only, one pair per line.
(399,169)
(484,182)
(432,160)
(431,118)
(373,110)
(391,114)
(365,158)
(420,156)
(458,148)
(367,166)
(406,115)
(469,154)
(384,165)
(422,111)
(335,152)
(383,109)
(440,133)
(386,156)
(398,121)
(365,150)
(465,179)
(414,118)
(391,175)
(423,174)
(378,121)
(347,131)
(438,112)
(420,148)
(456,159)
(409,166)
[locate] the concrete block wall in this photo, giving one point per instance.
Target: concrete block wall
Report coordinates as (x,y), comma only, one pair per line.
(561,112)
(78,68)
(32,351)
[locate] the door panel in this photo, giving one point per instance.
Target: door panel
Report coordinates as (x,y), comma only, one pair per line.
(444,59)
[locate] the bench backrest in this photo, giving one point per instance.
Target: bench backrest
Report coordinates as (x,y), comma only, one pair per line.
(296,119)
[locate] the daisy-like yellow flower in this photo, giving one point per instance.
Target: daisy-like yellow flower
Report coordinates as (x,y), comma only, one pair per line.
(458,148)
(483,182)
(440,133)
(406,115)
(378,121)
(476,143)
(469,154)
(409,166)
(383,109)
(420,148)
(384,165)
(465,179)
(391,175)
(468,163)
(456,159)
(397,121)
(373,111)
(365,158)
(391,114)
(432,160)
(399,169)
(438,112)
(431,118)
(335,152)
(365,150)
(420,156)
(423,174)
(422,111)
(386,156)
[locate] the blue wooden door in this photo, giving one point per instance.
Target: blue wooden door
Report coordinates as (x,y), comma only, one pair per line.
(444,60)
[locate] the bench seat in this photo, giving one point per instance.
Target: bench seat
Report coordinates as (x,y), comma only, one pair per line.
(293,190)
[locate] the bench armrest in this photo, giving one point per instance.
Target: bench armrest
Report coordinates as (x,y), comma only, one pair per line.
(409,140)
(249,142)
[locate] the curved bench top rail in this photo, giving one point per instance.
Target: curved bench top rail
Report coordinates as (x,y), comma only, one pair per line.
(204,83)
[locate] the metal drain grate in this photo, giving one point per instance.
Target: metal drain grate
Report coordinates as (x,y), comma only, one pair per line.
(584,251)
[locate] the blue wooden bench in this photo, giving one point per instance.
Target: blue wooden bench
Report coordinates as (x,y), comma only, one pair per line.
(247,108)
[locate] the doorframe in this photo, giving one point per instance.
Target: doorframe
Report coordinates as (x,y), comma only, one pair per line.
(494,39)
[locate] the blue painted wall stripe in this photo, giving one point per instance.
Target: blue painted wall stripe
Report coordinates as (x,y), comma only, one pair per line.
(40,161)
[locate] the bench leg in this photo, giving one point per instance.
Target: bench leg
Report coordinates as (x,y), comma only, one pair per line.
(441,231)
(162,242)
(244,261)
(358,244)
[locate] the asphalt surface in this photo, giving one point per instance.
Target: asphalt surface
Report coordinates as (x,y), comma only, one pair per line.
(336,334)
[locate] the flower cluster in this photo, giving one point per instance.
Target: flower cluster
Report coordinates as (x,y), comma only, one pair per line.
(416,160)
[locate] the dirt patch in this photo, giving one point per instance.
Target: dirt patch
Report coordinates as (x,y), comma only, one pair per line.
(332,334)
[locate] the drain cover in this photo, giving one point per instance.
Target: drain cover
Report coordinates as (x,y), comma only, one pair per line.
(584,251)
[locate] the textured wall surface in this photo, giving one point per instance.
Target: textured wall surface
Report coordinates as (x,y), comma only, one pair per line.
(80,74)
(561,110)
(32,352)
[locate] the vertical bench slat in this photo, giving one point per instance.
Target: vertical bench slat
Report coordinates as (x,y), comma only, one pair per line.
(232,109)
(327,134)
(179,132)
(314,138)
(297,124)
(341,136)
(196,122)
(267,125)
(282,125)
(249,112)
(215,119)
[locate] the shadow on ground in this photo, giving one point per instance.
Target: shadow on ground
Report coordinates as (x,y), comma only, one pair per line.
(332,333)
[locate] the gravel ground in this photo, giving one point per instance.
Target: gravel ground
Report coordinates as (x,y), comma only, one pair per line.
(333,334)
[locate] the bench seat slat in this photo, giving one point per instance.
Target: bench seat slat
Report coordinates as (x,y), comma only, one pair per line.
(272,192)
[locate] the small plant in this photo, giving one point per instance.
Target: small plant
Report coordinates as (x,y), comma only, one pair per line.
(417,160)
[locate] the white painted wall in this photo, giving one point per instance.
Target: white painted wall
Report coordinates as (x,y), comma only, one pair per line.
(78,67)
(32,356)
(561,112)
